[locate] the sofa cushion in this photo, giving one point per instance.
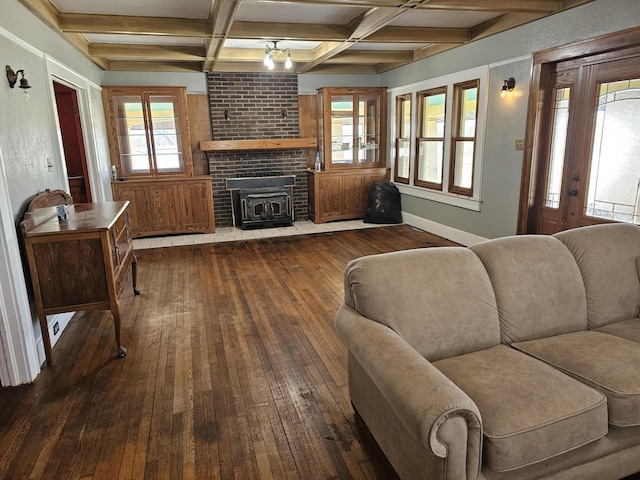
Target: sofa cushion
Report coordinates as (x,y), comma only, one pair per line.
(439,300)
(538,286)
(608,363)
(629,329)
(530,411)
(607,256)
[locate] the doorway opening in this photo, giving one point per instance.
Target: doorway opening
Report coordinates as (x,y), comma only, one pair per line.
(73,144)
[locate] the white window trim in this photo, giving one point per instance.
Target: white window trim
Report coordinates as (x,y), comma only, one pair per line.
(474,202)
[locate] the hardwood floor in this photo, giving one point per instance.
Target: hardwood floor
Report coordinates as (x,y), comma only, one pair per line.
(233,372)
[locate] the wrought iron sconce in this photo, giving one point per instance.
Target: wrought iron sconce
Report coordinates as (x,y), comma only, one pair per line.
(283,113)
(226,115)
(508,86)
(12,77)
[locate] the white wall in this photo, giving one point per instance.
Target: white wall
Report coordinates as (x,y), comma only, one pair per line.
(28,137)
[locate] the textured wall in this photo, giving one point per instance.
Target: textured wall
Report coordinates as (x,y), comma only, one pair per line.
(255,104)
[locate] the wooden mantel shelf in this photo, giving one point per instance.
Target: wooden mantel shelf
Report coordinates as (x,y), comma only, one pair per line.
(259,144)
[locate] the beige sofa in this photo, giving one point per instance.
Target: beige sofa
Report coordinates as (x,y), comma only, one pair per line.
(516,358)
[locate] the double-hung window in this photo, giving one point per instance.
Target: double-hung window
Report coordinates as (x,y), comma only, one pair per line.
(446,144)
(463,138)
(430,138)
(403,138)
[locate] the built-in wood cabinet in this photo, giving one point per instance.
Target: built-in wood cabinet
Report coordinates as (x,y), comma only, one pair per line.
(168,206)
(79,263)
(352,150)
(342,194)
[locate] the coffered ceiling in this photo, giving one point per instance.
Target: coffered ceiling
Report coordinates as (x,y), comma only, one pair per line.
(323,36)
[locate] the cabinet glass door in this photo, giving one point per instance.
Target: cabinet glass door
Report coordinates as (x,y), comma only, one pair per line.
(368,129)
(342,131)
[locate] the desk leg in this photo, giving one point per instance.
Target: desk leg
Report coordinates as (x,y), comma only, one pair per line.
(115,311)
(134,274)
(46,339)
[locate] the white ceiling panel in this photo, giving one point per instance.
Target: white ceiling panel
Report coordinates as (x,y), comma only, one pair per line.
(283,45)
(147,8)
(386,46)
(440,19)
(283,12)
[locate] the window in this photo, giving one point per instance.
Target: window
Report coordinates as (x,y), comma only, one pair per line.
(464,138)
(446,144)
(148,131)
(403,138)
(430,139)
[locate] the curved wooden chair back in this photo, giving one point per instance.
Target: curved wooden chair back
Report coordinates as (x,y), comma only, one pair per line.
(50,198)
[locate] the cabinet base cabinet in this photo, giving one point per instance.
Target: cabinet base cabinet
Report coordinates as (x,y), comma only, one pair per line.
(343,194)
(168,206)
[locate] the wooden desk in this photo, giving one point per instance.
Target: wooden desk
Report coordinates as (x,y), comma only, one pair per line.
(80,263)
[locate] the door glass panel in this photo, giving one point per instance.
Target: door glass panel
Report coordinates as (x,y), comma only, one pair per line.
(342,129)
(614,177)
(368,129)
(166,134)
(132,137)
(558,144)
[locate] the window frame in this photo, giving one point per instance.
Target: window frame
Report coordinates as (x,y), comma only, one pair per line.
(401,135)
(458,105)
(419,138)
(446,196)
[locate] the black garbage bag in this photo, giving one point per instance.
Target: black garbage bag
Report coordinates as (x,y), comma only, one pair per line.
(384,204)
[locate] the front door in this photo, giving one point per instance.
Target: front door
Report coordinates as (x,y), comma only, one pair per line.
(590,149)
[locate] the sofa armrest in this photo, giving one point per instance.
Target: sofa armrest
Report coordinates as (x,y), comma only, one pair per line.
(424,399)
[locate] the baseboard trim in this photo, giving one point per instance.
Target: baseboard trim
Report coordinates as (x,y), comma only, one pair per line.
(450,233)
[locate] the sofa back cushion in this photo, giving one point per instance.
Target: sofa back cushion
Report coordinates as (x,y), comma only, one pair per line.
(538,286)
(608,257)
(439,300)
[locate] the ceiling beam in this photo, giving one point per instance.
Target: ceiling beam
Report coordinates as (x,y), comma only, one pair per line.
(147,52)
(372,57)
(502,23)
(419,35)
(117,65)
(361,27)
(221,16)
(133,25)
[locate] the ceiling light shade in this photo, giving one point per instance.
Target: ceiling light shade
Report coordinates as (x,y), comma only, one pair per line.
(272,53)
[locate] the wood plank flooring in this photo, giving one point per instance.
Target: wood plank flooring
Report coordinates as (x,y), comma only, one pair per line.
(233,372)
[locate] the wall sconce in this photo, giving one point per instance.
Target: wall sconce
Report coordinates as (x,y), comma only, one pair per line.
(12,77)
(226,115)
(508,86)
(283,113)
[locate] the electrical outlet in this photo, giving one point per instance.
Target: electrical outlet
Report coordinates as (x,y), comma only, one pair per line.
(519,144)
(56,328)
(49,164)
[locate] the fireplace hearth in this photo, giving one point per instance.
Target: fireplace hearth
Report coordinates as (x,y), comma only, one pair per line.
(262,202)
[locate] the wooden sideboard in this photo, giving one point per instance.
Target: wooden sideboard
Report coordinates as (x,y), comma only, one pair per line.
(80,263)
(161,206)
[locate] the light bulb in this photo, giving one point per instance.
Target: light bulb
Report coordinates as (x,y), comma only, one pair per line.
(288,63)
(271,65)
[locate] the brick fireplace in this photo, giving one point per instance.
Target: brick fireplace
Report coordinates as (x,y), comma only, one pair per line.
(248,106)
